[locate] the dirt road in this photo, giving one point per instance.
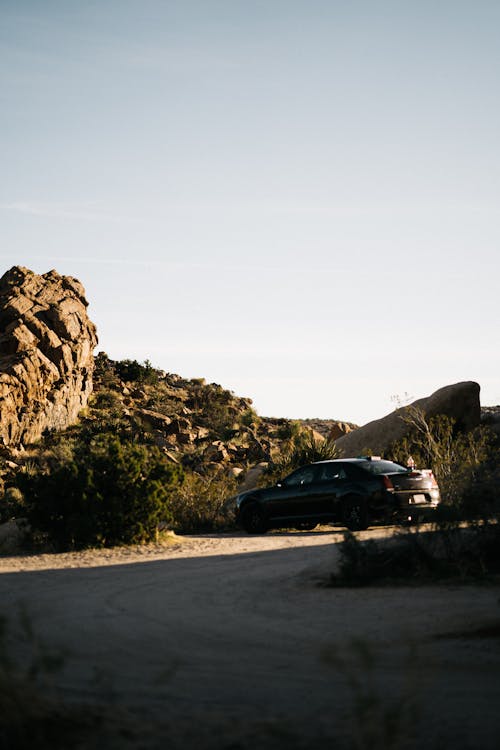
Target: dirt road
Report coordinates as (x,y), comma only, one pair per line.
(231,640)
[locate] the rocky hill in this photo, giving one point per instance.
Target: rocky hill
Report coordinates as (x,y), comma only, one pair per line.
(201,425)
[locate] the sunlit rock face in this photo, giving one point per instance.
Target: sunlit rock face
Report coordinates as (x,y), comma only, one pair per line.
(46,353)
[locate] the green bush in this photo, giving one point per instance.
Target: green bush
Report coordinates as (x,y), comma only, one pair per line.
(106,399)
(212,407)
(198,504)
(160,399)
(303,448)
(289,430)
(108,492)
(104,371)
(448,551)
(11,505)
(130,370)
(465,463)
(250,418)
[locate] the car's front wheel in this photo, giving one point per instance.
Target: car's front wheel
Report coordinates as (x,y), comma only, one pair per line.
(355,514)
(253,519)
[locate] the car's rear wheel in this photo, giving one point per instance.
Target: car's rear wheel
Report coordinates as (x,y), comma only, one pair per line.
(355,514)
(253,519)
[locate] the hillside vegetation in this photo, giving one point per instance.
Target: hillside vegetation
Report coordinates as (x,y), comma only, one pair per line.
(151,451)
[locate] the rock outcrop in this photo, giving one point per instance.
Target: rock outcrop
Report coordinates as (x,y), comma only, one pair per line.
(46,354)
(339,429)
(459,401)
(331,429)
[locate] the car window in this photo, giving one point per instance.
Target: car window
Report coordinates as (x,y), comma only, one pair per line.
(302,476)
(383,467)
(329,472)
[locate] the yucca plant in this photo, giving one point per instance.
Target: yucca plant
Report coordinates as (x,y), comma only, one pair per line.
(304,448)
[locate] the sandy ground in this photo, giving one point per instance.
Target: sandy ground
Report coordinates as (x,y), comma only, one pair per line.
(230,641)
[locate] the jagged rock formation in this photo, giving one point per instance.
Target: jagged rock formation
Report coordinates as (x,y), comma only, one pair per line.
(330,429)
(459,401)
(339,429)
(46,353)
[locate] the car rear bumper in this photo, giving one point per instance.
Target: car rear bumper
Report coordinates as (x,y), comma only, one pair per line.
(417,506)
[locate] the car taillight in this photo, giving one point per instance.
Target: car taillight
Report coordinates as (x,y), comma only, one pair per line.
(434,484)
(387,483)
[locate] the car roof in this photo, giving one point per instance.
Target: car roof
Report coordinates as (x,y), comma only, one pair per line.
(343,461)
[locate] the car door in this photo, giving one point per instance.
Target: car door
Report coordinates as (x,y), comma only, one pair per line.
(332,479)
(297,497)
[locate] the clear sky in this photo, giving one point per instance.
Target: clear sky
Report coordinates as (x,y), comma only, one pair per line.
(295,199)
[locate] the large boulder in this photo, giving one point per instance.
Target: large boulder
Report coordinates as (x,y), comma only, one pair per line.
(46,353)
(459,401)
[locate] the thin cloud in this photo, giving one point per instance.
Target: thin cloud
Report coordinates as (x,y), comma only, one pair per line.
(45,210)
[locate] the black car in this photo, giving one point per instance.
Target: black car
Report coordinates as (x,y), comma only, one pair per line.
(355,492)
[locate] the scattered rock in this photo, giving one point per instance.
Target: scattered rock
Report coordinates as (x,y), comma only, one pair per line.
(253,475)
(326,426)
(317,436)
(179,425)
(202,433)
(186,437)
(216,451)
(171,456)
(152,420)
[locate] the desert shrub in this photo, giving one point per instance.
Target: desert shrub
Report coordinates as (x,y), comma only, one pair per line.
(11,504)
(448,551)
(249,418)
(213,408)
(130,370)
(105,413)
(104,371)
(108,492)
(302,449)
(481,489)
(162,401)
(289,430)
(370,561)
(198,504)
(32,715)
(463,462)
(105,398)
